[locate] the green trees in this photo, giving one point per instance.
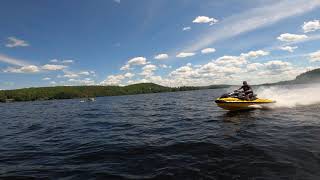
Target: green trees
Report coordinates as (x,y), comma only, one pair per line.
(2,96)
(69,92)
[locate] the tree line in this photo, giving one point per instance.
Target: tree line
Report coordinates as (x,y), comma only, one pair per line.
(70,92)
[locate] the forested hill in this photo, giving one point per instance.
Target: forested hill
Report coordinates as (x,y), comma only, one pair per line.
(312,76)
(69,92)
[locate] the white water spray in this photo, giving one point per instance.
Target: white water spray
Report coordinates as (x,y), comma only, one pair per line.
(291,95)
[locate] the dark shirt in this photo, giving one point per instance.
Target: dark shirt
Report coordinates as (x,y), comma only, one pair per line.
(246,88)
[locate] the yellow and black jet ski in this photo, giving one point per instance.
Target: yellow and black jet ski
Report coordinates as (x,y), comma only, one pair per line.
(236,101)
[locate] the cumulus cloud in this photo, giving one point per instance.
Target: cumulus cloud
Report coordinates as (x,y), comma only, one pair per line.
(23,69)
(53,67)
(255,54)
(288,48)
(69,75)
(185,54)
(46,79)
(113,80)
(311,26)
(137,61)
(205,19)
(125,67)
(148,70)
(186,28)
(54,60)
(86,73)
(85,81)
(208,50)
(161,56)
(231,60)
(129,75)
(68,61)
(276,64)
(15,42)
(287,37)
(315,56)
(254,66)
(164,66)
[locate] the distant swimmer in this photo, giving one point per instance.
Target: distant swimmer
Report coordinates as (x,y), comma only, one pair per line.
(247,90)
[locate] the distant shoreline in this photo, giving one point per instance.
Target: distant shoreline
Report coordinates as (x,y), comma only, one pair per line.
(77,92)
(72,92)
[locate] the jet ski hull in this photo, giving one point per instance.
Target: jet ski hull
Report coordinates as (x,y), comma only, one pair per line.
(235,104)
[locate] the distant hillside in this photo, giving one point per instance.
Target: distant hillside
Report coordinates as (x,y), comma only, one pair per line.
(309,77)
(70,92)
(312,76)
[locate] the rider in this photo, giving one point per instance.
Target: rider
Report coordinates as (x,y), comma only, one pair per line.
(247,90)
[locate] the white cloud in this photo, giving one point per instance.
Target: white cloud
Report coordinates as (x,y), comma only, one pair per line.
(148,70)
(13,61)
(68,61)
(69,74)
(311,26)
(231,60)
(288,48)
(113,80)
(205,19)
(264,15)
(287,37)
(161,56)
(277,65)
(86,73)
(185,54)
(53,82)
(129,75)
(117,1)
(254,66)
(315,56)
(86,81)
(23,69)
(125,67)
(186,28)
(53,67)
(15,42)
(46,79)
(54,60)
(137,61)
(208,50)
(73,75)
(164,66)
(255,54)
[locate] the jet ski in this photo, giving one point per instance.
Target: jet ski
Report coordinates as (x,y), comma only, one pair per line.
(236,100)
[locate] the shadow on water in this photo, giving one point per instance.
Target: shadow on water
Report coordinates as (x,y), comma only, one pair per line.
(238,116)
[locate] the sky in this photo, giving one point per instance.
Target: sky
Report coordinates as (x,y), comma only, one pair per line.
(171,43)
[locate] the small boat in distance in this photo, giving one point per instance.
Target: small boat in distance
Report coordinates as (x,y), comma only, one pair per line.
(236,101)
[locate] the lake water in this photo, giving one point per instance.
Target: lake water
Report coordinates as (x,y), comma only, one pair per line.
(181,135)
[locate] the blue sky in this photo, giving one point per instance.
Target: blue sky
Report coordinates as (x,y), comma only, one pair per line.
(173,43)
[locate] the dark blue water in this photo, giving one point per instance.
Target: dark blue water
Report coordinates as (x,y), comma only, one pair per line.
(157,136)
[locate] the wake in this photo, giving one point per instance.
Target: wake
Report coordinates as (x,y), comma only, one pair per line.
(291,95)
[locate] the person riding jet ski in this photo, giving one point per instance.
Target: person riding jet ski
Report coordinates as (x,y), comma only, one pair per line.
(247,90)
